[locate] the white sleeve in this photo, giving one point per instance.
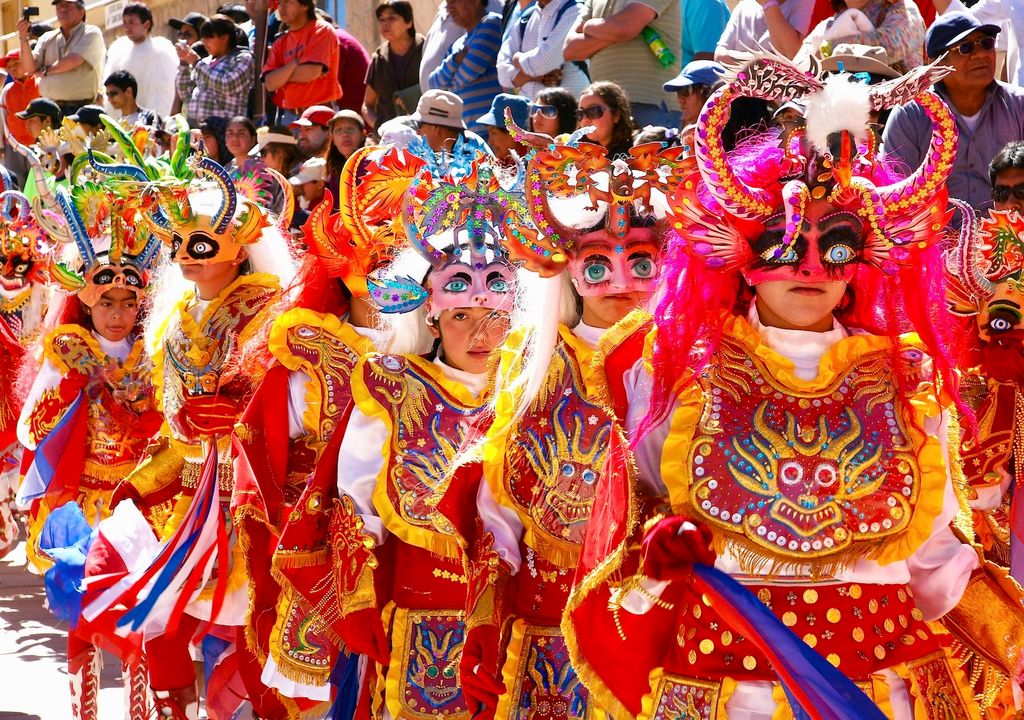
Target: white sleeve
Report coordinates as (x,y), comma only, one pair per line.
(297,381)
(547,56)
(648,452)
(503,523)
(509,47)
(360,462)
(941,567)
(47,379)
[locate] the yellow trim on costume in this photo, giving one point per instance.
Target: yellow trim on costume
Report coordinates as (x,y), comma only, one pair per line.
(94,348)
(510,669)
(330,324)
(446,546)
(185,321)
(675,469)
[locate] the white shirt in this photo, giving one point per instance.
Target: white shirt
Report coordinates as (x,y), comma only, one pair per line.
(540,47)
(154,65)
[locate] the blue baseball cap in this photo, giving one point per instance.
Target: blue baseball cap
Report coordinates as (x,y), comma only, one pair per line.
(495,117)
(697,72)
(950,30)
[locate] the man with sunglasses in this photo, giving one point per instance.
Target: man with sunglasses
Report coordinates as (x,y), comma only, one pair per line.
(988,113)
(1007,176)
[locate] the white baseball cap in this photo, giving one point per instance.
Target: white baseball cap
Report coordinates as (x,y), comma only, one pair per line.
(313,169)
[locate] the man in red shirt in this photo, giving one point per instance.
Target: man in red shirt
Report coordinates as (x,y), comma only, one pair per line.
(302,69)
(14,98)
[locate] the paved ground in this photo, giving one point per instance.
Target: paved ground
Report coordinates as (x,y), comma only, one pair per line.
(32,653)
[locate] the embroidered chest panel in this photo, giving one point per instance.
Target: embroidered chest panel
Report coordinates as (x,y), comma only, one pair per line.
(197,353)
(555,458)
(428,426)
(329,361)
(13,307)
(117,394)
(803,475)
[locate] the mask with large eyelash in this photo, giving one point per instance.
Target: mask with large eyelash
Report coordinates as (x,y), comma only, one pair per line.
(831,159)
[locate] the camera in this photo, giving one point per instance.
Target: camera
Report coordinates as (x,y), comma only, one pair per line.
(30,12)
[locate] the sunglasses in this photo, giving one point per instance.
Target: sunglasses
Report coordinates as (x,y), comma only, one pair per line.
(690,90)
(548,111)
(966,48)
(591,113)
(1001,193)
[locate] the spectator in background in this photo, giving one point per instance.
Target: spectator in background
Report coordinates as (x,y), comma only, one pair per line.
(703,23)
(611,33)
(766,26)
(1009,16)
(211,131)
(309,183)
(439,120)
(239,140)
(41,114)
(69,59)
(442,34)
(152,60)
(353,61)
(531,53)
(120,88)
(468,70)
(188,27)
(302,67)
(897,27)
(553,112)
(988,113)
(348,134)
(693,86)
(605,107)
(498,136)
(217,85)
(394,68)
(15,97)
(278,149)
(312,127)
(1006,175)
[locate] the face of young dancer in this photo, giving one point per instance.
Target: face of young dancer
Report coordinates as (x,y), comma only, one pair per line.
(469,335)
(114,316)
(211,278)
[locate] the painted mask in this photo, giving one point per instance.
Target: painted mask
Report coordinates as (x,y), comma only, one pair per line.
(605,265)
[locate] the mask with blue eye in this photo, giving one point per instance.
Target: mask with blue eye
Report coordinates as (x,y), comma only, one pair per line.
(828,248)
(481,281)
(604,266)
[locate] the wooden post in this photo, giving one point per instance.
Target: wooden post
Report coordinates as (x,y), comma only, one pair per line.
(259,52)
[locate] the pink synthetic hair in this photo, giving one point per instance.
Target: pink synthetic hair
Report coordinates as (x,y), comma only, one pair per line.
(692,297)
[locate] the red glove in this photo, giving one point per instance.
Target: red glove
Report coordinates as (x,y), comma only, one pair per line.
(478,671)
(673,546)
(210,415)
(363,633)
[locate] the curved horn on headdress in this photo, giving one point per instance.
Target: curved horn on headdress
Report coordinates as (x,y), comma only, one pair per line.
(104,164)
(79,233)
(968,256)
(226,212)
(5,180)
(437,258)
(8,198)
(182,151)
(284,218)
(145,258)
(43,190)
(919,187)
(735,196)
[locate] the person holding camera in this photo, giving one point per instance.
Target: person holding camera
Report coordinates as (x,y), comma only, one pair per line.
(67,60)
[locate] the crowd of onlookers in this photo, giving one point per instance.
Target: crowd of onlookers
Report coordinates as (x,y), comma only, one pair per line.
(300,95)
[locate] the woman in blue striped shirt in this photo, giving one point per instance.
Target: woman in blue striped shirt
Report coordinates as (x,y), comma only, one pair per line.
(470,68)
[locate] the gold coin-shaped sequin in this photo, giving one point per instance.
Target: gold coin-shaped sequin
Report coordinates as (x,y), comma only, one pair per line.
(789,619)
(810,596)
(858,634)
(749,662)
(855,592)
(707,647)
(833,615)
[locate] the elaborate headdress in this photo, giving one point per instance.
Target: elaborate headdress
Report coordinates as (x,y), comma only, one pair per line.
(25,248)
(366,232)
(745,212)
(458,225)
(574,188)
(986,263)
(114,242)
(717,213)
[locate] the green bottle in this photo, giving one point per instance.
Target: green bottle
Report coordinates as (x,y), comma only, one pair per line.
(665,56)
